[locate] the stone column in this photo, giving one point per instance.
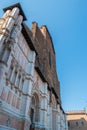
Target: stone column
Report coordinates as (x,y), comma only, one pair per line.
(66,123)
(13,39)
(45,101)
(6,27)
(3,22)
(43,108)
(2,71)
(63,121)
(16,29)
(27,88)
(14,35)
(4,57)
(61,118)
(48,117)
(50,111)
(58,117)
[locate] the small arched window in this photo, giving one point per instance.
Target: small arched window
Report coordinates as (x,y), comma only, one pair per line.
(35,108)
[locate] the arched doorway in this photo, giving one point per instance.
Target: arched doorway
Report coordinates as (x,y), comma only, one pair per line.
(34,111)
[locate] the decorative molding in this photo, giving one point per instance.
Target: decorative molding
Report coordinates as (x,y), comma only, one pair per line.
(6,108)
(6,128)
(20,8)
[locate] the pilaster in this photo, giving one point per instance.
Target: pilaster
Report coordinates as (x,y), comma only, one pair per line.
(58,117)
(50,117)
(7,41)
(9,20)
(43,108)
(27,89)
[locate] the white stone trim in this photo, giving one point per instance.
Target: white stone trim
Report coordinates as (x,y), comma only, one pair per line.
(6,128)
(6,108)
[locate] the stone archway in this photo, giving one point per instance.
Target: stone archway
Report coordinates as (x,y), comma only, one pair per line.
(34,110)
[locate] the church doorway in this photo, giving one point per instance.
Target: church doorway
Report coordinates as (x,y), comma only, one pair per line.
(34,111)
(32,115)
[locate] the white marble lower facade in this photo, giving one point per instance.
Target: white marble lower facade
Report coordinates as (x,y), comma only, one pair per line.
(35,107)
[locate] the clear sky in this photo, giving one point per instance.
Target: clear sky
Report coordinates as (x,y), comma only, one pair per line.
(67,23)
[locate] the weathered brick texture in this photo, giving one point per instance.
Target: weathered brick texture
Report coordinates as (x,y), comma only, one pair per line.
(45,52)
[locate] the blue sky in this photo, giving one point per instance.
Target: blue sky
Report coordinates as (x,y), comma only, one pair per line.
(67,23)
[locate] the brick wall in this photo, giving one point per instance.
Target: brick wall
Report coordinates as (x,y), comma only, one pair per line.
(45,59)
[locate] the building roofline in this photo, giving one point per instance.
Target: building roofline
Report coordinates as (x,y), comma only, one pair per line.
(25,31)
(40,74)
(20,8)
(49,36)
(76,112)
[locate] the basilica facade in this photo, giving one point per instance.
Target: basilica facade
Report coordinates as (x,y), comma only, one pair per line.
(29,86)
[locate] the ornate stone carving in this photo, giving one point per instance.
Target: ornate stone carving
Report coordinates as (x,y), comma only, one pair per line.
(12,16)
(36,85)
(3,21)
(17,29)
(6,27)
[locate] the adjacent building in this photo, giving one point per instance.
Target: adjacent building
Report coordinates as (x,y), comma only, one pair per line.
(29,86)
(77,120)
